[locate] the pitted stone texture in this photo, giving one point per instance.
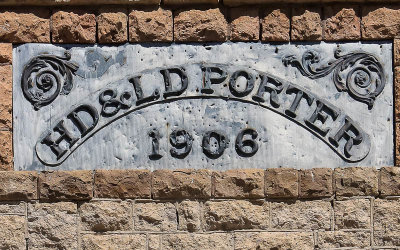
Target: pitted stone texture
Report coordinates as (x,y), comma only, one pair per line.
(281,183)
(18,185)
(236,215)
(52,226)
(12,232)
(389,181)
(220,241)
(112,26)
(6,101)
(73,27)
(341,23)
(337,239)
(380,22)
(274,240)
(200,26)
(386,215)
(352,214)
(292,215)
(6,152)
(397,144)
(101,216)
(190,2)
(189,216)
(15,208)
(397,103)
(114,241)
(396,52)
(315,182)
(356,181)
(306,24)
(181,184)
(123,184)
(275,25)
(151,25)
(66,185)
(245,24)
(387,238)
(25,26)
(244,183)
(155,216)
(6,53)
(154,241)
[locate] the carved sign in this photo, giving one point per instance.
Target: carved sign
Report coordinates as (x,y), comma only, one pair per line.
(217,106)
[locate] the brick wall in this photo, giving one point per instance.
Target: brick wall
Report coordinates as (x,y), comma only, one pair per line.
(281,208)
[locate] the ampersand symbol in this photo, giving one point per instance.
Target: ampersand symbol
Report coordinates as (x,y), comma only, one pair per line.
(112,104)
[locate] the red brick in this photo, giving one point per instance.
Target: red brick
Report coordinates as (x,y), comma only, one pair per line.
(245,24)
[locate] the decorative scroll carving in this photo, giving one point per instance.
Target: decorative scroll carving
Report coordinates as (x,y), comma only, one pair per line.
(47,76)
(358,73)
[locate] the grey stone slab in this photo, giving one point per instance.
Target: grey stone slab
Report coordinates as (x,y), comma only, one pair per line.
(130,107)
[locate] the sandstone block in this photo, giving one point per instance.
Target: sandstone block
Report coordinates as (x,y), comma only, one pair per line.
(123,184)
(73,27)
(6,153)
(281,183)
(155,216)
(6,107)
(114,241)
(189,2)
(236,215)
(386,215)
(6,53)
(244,183)
(301,215)
(397,143)
(396,52)
(356,181)
(389,181)
(66,185)
(274,240)
(154,242)
(101,216)
(25,26)
(387,239)
(275,25)
(181,184)
(151,25)
(245,24)
(52,226)
(220,241)
(18,185)
(352,214)
(337,239)
(380,22)
(112,26)
(189,216)
(306,24)
(13,208)
(315,182)
(396,98)
(12,232)
(341,23)
(200,26)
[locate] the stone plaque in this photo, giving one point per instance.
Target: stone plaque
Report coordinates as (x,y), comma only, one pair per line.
(216,106)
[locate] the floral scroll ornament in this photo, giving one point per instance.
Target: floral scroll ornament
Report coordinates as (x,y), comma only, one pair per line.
(47,76)
(358,73)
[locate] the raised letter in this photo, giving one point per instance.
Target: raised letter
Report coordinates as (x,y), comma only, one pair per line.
(182,142)
(155,145)
(168,84)
(296,102)
(274,87)
(84,126)
(214,144)
(249,83)
(249,147)
(208,79)
(321,114)
(139,92)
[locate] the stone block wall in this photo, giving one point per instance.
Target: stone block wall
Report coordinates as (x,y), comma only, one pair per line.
(279,208)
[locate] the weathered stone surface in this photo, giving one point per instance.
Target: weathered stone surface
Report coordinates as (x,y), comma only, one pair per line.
(301,215)
(21,185)
(386,215)
(341,23)
(73,27)
(16,208)
(352,214)
(387,239)
(189,216)
(76,2)
(244,183)
(6,53)
(236,215)
(396,52)
(12,232)
(190,2)
(200,26)
(66,185)
(123,184)
(154,242)
(25,26)
(389,181)
(114,241)
(151,25)
(181,184)
(397,143)
(220,241)
(245,24)
(274,240)
(53,226)
(380,22)
(112,26)
(306,24)
(6,100)
(355,181)
(336,239)
(275,25)
(281,183)
(155,216)
(315,182)
(6,152)
(101,216)
(397,99)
